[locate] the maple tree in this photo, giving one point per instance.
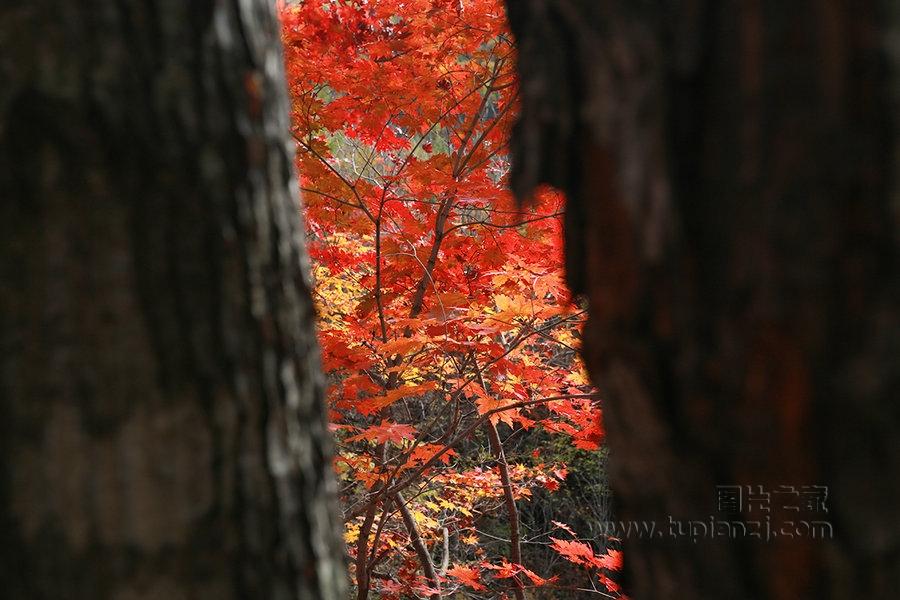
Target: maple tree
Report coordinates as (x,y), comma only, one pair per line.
(444,319)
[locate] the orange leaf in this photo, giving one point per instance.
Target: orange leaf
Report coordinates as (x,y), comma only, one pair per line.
(387,431)
(399,346)
(467,576)
(575,552)
(372,405)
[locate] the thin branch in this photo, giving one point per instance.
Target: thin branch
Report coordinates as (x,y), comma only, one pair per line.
(512,513)
(418,545)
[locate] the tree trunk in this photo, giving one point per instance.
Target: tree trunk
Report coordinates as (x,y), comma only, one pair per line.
(162,432)
(733,221)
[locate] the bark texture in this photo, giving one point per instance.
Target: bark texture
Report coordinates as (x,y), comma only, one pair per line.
(733,221)
(162,432)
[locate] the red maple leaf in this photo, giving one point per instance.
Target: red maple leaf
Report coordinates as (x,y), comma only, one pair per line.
(387,431)
(467,576)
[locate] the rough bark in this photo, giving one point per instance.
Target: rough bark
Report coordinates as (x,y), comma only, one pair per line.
(733,222)
(162,432)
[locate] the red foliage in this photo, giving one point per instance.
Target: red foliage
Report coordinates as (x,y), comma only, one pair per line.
(443,311)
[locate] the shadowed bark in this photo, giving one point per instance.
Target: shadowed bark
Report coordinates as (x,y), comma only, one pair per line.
(163,432)
(733,221)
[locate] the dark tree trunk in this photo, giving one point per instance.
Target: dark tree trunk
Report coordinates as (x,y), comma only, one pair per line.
(733,222)
(162,430)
